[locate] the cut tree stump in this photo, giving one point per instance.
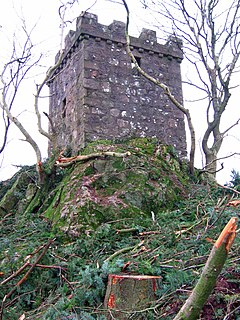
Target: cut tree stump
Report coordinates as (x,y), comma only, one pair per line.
(127,293)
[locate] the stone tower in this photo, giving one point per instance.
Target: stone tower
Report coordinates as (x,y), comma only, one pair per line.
(96,93)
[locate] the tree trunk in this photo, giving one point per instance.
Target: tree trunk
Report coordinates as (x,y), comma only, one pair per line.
(212,152)
(211,163)
(127,293)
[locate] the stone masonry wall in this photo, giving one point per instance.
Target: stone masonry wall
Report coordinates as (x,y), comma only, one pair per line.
(97,94)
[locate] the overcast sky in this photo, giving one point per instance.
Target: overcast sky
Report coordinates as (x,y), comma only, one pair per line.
(42,18)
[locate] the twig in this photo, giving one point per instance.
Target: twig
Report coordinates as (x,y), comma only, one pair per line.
(15,273)
(68,282)
(211,171)
(43,266)
(126,230)
(147,233)
(6,216)
(119,220)
(232,312)
(60,258)
(229,188)
(218,217)
(123,250)
(144,233)
(143,249)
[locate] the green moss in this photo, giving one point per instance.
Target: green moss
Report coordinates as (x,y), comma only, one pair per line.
(16,193)
(89,170)
(119,164)
(107,188)
(145,145)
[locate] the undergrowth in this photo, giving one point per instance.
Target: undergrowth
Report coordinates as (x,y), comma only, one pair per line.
(48,273)
(74,283)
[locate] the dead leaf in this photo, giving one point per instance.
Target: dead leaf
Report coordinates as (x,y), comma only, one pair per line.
(233,203)
(209,240)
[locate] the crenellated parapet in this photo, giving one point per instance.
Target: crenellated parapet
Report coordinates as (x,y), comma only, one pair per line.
(87,27)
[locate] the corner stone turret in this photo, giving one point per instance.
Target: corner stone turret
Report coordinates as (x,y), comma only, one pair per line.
(96,93)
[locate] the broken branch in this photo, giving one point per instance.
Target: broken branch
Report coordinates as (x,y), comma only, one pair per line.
(194,304)
(123,250)
(65,162)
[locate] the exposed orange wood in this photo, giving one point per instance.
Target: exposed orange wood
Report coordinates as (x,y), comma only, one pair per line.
(234,203)
(228,234)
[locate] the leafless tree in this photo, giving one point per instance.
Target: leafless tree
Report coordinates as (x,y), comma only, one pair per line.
(12,76)
(210,32)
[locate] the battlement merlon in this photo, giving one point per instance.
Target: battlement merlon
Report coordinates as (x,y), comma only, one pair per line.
(87,26)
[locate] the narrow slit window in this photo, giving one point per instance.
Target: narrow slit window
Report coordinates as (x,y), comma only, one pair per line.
(64,107)
(138,59)
(135,71)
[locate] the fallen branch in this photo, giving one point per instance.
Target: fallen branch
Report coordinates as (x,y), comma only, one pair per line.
(35,263)
(142,249)
(126,230)
(24,278)
(123,250)
(65,162)
(27,264)
(68,282)
(15,274)
(20,270)
(44,266)
(147,233)
(192,307)
(6,216)
(142,234)
(229,188)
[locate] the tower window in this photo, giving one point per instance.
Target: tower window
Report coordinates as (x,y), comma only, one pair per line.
(138,59)
(64,107)
(134,69)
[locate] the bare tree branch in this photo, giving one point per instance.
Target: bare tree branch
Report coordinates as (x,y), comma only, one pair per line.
(165,89)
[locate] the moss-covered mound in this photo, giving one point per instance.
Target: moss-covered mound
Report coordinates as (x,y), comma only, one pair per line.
(16,192)
(150,179)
